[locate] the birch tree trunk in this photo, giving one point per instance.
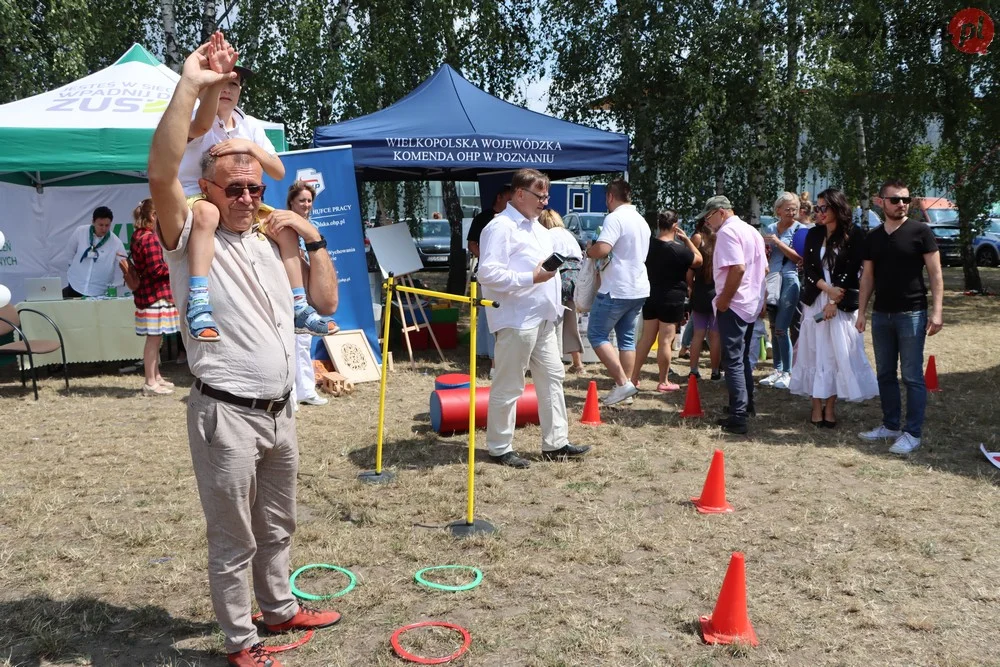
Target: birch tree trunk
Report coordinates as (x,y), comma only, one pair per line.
(171,53)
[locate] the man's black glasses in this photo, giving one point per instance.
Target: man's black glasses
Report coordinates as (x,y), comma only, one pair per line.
(899,200)
(541,198)
(235,191)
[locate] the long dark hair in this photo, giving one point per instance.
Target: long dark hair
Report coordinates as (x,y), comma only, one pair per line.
(837,201)
(707,248)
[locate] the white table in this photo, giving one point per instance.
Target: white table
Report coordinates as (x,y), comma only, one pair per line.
(92,329)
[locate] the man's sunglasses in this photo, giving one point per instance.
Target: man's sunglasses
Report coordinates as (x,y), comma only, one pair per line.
(899,200)
(236,191)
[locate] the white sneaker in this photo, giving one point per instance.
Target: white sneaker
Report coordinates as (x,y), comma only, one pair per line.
(620,393)
(880,433)
(315,400)
(493,373)
(783,381)
(771,379)
(904,444)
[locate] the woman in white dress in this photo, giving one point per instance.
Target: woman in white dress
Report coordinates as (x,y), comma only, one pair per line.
(830,362)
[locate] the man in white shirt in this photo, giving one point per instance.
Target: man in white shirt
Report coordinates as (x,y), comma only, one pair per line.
(93,262)
(623,245)
(512,248)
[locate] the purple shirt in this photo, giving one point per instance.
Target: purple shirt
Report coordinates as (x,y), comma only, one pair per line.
(736,242)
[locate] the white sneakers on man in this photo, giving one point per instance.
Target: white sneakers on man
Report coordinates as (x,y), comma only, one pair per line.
(314,400)
(620,393)
(784,379)
(880,433)
(771,379)
(904,444)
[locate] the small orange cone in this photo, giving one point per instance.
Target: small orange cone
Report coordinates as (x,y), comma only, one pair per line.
(692,402)
(930,376)
(591,409)
(729,622)
(713,494)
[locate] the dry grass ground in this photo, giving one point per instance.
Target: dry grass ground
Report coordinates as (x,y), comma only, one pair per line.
(854,556)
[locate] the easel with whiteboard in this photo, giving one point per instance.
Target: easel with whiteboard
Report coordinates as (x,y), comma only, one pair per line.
(397,254)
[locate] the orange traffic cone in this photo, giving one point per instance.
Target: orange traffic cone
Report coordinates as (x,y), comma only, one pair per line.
(692,402)
(713,494)
(729,622)
(930,376)
(591,409)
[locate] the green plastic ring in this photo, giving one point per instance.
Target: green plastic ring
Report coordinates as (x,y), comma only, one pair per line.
(442,587)
(309,596)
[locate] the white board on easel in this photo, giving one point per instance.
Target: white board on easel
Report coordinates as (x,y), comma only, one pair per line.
(395,250)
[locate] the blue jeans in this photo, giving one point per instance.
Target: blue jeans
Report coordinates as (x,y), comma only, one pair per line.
(735,335)
(901,336)
(788,302)
(618,314)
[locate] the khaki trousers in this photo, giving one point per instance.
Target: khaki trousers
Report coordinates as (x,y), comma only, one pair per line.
(518,350)
(245,462)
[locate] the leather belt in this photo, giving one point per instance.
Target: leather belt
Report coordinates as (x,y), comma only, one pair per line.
(270,405)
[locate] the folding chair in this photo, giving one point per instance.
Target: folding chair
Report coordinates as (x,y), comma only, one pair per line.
(10,320)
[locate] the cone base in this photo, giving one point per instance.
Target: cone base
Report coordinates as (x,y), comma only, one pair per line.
(477,527)
(372,477)
(591,422)
(686,413)
(713,636)
(711,509)
(935,390)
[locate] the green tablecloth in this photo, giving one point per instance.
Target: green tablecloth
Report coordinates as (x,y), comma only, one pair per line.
(92,329)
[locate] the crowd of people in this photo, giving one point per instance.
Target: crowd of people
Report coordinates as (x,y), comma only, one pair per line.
(810,275)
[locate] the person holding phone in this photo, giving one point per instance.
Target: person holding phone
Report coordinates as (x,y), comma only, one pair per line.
(671,254)
(512,249)
(831,360)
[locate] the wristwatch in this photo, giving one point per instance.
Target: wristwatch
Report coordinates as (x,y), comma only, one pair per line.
(316,245)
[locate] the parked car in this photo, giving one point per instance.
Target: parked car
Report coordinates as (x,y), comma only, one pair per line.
(929,210)
(986,246)
(584,226)
(433,240)
(947,237)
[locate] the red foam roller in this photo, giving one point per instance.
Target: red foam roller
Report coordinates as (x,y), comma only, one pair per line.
(450,409)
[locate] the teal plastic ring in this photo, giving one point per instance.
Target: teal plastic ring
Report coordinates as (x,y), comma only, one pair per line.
(314,598)
(419,577)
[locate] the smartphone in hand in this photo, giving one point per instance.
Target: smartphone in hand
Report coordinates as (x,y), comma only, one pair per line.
(553,262)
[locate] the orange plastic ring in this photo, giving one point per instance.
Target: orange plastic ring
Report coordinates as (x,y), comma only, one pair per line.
(286,647)
(402,653)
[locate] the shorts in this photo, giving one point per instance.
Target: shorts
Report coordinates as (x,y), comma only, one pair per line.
(704,321)
(619,314)
(668,313)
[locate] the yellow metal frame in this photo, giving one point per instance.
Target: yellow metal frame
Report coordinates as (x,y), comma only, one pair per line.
(472,300)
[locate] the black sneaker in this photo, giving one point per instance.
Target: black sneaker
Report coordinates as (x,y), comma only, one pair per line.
(566,452)
(716,376)
(751,411)
(511,459)
(731,426)
(695,374)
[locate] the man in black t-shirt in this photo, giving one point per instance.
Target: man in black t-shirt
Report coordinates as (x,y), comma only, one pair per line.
(483,219)
(894,260)
(485,341)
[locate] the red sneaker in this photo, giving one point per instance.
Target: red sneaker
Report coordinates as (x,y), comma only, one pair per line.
(256,656)
(306,619)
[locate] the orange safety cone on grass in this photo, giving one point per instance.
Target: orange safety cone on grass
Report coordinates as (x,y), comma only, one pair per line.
(713,494)
(591,409)
(729,622)
(930,376)
(692,402)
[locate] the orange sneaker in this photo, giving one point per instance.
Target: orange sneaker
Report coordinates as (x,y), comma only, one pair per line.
(307,618)
(257,655)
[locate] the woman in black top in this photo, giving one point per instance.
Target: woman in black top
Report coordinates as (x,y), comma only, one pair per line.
(831,359)
(702,284)
(670,255)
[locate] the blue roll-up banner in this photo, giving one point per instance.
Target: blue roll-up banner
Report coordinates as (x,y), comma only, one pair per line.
(337,214)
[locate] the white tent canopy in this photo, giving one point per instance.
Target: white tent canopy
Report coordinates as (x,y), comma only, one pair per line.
(102,122)
(89,140)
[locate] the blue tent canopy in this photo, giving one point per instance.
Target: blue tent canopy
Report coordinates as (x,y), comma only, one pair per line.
(447,129)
